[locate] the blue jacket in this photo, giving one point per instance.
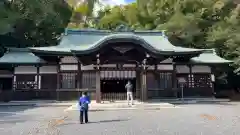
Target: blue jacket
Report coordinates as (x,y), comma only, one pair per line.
(83,103)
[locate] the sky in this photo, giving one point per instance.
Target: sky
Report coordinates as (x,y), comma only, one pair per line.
(111,3)
(129,1)
(117,2)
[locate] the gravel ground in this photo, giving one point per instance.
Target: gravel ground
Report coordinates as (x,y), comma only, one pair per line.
(19,120)
(211,119)
(189,120)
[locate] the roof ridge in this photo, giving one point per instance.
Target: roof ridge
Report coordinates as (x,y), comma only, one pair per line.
(15,49)
(88,31)
(96,31)
(212,51)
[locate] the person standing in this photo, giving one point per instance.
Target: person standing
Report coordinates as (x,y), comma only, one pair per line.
(129,88)
(84,101)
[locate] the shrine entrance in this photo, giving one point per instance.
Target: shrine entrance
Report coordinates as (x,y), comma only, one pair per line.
(117,61)
(113,84)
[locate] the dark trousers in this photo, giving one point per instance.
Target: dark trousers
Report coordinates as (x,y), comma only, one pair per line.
(85,113)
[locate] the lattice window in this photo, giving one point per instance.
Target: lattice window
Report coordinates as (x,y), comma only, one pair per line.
(152,82)
(49,81)
(89,80)
(165,80)
(117,74)
(190,80)
(202,81)
(68,81)
(26,82)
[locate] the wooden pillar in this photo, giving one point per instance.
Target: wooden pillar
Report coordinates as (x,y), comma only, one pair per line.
(79,78)
(138,83)
(58,77)
(38,74)
(98,81)
(157,76)
(144,86)
(58,81)
(174,80)
(191,78)
(36,87)
(14,84)
(144,81)
(98,87)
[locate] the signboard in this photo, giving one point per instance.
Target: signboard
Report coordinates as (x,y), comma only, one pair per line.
(182,80)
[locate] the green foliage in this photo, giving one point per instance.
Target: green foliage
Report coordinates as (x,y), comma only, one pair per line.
(8,17)
(34,22)
(82,16)
(189,23)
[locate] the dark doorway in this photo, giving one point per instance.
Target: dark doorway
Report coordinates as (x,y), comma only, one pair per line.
(6,84)
(5,89)
(116,85)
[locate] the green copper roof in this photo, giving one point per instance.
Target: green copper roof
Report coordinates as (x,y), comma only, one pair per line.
(86,41)
(18,56)
(23,56)
(209,57)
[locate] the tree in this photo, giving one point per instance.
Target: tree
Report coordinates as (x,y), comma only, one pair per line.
(189,23)
(82,13)
(8,18)
(39,23)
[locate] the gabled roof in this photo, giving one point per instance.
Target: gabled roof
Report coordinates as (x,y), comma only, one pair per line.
(86,41)
(209,56)
(23,56)
(20,56)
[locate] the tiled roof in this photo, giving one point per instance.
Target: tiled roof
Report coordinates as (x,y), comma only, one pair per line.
(209,56)
(85,41)
(17,56)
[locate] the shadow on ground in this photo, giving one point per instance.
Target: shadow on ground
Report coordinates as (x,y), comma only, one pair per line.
(208,103)
(6,111)
(93,122)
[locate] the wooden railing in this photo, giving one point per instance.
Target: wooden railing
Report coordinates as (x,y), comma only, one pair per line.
(176,93)
(115,96)
(43,94)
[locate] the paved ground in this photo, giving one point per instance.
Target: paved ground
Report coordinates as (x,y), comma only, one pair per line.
(25,120)
(192,119)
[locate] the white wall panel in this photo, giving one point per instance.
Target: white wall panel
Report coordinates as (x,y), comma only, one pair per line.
(68,67)
(201,69)
(25,70)
(87,67)
(109,65)
(48,70)
(129,65)
(165,67)
(150,67)
(169,60)
(69,59)
(182,69)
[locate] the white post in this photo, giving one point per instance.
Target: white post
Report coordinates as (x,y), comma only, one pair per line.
(182,92)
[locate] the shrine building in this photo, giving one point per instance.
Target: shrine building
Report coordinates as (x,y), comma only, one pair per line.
(101,62)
